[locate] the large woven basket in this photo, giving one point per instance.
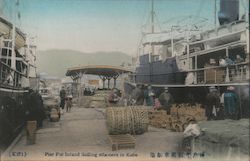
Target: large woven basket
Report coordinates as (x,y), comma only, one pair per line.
(127,120)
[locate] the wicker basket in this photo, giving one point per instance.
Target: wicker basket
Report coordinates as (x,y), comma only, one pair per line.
(127,120)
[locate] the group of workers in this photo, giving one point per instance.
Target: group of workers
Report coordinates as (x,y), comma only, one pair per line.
(222,106)
(217,106)
(145,95)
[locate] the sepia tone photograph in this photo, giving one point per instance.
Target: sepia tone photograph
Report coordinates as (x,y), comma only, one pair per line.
(146,80)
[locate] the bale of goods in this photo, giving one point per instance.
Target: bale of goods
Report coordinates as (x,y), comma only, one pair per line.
(98,98)
(180,116)
(97,104)
(31,132)
(127,120)
(54,115)
(159,119)
(50,103)
(185,110)
(174,110)
(85,101)
(92,102)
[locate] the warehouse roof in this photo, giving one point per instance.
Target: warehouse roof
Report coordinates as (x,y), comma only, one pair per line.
(101,70)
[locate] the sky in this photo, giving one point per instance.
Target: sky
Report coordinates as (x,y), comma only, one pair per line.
(102,25)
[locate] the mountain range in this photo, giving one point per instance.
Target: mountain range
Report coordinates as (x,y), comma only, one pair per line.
(56,62)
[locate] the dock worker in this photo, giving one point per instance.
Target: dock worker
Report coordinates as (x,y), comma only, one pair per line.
(149,96)
(34,105)
(212,103)
(166,100)
(137,96)
(68,102)
(231,104)
(114,95)
(62,98)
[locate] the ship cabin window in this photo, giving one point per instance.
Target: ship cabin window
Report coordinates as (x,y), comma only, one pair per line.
(6,52)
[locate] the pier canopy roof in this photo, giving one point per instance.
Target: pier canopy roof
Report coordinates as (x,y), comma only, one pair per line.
(100,70)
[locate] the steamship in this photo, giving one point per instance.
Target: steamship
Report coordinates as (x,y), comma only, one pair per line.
(189,63)
(17,74)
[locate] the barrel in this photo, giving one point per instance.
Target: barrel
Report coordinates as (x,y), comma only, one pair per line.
(31,132)
(127,120)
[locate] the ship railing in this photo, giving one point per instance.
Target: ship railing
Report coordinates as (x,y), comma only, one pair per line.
(237,73)
(222,74)
(9,77)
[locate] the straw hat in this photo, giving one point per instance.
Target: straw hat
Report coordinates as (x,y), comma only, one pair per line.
(230,88)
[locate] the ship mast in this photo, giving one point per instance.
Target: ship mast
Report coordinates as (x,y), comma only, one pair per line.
(13,54)
(152,23)
(215,13)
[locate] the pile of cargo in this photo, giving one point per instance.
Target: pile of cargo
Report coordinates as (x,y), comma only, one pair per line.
(159,119)
(98,100)
(179,118)
(52,109)
(93,102)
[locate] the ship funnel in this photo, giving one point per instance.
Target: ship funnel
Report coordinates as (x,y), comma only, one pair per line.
(229,11)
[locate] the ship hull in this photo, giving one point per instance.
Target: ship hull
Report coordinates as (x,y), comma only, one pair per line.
(159,72)
(12,114)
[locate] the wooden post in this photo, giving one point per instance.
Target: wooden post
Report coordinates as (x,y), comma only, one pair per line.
(108,82)
(195,74)
(115,77)
(227,70)
(240,107)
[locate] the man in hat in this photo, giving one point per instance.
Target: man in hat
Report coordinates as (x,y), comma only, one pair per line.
(137,95)
(231,104)
(62,97)
(166,100)
(212,103)
(149,95)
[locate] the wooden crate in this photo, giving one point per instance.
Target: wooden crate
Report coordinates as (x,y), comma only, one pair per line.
(126,141)
(215,75)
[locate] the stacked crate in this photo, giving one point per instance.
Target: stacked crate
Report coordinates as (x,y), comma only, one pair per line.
(215,75)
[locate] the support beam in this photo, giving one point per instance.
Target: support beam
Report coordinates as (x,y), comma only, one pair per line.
(227,79)
(103,78)
(114,82)
(115,78)
(103,83)
(108,82)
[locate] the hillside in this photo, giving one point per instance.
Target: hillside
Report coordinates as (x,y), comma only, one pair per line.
(56,62)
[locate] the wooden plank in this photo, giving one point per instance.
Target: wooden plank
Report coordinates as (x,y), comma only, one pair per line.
(121,141)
